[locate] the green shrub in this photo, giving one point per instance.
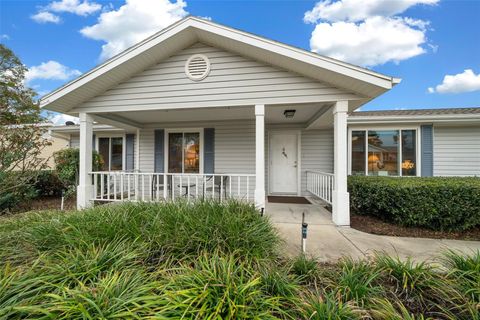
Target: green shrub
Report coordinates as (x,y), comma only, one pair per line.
(47,183)
(438,203)
(67,163)
(17,188)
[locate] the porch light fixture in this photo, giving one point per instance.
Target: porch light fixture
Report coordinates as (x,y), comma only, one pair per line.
(289,113)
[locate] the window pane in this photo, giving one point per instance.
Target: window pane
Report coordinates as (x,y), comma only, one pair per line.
(383,153)
(104,151)
(192,152)
(175,141)
(409,158)
(117,154)
(358,152)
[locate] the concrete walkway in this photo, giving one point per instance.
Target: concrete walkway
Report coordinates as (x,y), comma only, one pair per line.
(327,242)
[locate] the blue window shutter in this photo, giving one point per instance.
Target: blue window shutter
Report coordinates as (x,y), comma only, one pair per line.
(129,152)
(427,150)
(159,156)
(94,140)
(209,150)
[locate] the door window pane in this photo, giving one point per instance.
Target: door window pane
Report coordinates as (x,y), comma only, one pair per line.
(383,153)
(104,151)
(358,152)
(191,152)
(116,154)
(175,152)
(409,161)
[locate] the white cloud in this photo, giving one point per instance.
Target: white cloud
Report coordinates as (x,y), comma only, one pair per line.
(467,81)
(368,32)
(133,22)
(83,8)
(45,17)
(355,10)
(60,119)
(51,70)
(373,42)
(4,37)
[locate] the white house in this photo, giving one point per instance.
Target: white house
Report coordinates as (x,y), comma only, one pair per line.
(204,110)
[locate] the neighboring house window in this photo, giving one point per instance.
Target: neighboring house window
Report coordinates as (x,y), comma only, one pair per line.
(384,152)
(184,152)
(111,150)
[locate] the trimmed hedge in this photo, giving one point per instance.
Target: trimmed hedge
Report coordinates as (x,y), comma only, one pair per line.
(438,203)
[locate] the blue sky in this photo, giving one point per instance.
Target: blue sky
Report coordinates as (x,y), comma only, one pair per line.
(419,41)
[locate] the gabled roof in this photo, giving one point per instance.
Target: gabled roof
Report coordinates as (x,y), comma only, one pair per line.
(186,32)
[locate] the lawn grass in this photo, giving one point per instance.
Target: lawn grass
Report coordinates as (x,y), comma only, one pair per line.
(208,261)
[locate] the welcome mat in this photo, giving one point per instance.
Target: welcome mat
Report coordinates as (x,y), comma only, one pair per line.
(283,199)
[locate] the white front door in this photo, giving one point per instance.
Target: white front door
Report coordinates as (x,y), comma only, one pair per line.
(283,162)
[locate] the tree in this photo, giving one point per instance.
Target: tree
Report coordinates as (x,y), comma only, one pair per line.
(21,132)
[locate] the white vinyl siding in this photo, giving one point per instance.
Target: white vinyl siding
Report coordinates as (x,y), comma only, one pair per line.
(317,153)
(234,145)
(456,151)
(233,80)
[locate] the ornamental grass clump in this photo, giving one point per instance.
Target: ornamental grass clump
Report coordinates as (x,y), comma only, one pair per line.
(208,260)
(219,287)
(176,230)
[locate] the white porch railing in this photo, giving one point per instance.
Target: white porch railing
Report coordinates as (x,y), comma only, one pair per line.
(136,186)
(320,184)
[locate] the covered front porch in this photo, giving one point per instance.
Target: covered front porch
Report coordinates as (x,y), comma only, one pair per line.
(243,153)
(266,118)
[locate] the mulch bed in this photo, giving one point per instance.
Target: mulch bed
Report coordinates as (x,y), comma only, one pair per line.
(47,203)
(376,226)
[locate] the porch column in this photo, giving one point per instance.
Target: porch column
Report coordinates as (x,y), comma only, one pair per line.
(85,188)
(340,196)
(260,156)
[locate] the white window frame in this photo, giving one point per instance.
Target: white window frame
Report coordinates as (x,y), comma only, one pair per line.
(110,136)
(418,157)
(183,130)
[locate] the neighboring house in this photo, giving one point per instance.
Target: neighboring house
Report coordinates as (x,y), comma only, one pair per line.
(209,111)
(57,142)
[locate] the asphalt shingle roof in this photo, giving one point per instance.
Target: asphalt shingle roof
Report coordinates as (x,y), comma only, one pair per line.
(417,112)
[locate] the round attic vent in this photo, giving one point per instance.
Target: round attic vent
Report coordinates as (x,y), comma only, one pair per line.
(197,67)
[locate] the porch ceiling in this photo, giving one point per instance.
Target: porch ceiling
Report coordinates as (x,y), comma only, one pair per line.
(274,114)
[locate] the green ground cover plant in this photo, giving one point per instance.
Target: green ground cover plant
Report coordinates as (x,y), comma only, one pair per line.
(437,203)
(207,260)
